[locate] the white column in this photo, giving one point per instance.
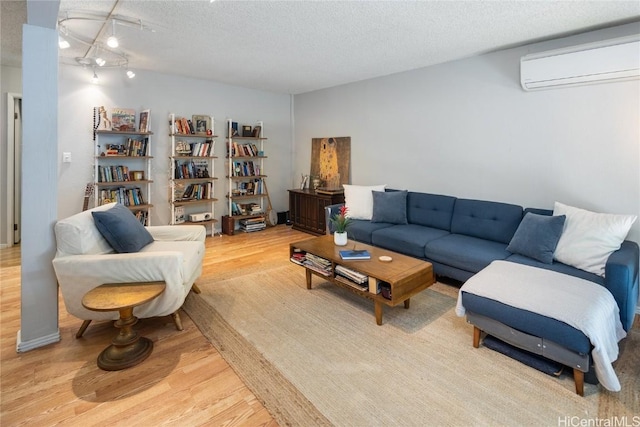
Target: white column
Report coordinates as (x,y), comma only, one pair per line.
(39,290)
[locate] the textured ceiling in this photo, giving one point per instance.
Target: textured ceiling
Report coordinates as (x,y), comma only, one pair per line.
(300,46)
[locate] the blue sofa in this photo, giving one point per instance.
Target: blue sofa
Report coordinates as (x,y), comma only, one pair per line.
(460,237)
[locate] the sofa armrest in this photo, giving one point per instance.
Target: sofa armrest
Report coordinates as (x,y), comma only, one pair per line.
(178,232)
(78,274)
(621,278)
(330,211)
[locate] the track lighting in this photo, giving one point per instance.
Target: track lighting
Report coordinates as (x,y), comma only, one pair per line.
(113,41)
(94,79)
(130,74)
(100,61)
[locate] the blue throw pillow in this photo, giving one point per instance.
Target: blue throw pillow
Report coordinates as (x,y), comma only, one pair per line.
(390,207)
(121,229)
(537,236)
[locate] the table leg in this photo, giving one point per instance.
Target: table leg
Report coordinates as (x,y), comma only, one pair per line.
(378,310)
(308,278)
(127,349)
(407,302)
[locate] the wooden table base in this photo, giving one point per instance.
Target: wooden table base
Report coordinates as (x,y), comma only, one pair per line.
(127,349)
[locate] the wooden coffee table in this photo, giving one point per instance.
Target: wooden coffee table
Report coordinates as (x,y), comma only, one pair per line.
(127,349)
(406,276)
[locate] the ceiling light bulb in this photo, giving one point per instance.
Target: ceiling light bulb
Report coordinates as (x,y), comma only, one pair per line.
(94,79)
(100,62)
(62,43)
(112,42)
(130,74)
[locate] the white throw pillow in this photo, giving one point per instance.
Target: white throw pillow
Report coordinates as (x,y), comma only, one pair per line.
(589,238)
(359,200)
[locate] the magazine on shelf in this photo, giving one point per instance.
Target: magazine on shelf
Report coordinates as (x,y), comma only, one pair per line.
(355,254)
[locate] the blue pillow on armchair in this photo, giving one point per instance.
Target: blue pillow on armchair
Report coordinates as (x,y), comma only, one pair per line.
(121,229)
(390,206)
(537,236)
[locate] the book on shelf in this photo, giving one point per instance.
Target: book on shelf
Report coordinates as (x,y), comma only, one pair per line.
(347,281)
(353,254)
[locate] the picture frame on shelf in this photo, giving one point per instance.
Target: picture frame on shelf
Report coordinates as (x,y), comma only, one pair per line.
(246,131)
(201,124)
(144,125)
(123,119)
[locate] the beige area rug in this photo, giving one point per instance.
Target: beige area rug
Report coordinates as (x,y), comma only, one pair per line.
(317,357)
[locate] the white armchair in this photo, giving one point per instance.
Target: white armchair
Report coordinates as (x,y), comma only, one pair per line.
(84,260)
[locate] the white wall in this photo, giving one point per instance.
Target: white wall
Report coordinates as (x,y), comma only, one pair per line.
(165,94)
(467,129)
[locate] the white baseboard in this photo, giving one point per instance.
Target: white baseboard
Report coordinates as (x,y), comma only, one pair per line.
(21,346)
(3,246)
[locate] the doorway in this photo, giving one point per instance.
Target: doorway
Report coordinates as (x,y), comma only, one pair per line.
(14,169)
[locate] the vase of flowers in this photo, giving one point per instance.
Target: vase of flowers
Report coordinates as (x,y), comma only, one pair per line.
(340,223)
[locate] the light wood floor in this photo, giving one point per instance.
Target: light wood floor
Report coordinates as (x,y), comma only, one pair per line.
(185,381)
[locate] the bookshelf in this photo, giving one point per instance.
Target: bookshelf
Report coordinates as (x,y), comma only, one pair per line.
(192,171)
(245,176)
(122,170)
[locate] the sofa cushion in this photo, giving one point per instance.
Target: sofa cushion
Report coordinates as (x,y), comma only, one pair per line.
(409,239)
(537,236)
(121,229)
(389,206)
(465,252)
(486,220)
(78,234)
(589,238)
(528,322)
(431,210)
(359,200)
(362,230)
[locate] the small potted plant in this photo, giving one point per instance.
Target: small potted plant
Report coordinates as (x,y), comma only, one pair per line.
(340,223)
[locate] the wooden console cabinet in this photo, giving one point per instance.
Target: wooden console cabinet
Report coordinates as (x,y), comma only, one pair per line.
(307,209)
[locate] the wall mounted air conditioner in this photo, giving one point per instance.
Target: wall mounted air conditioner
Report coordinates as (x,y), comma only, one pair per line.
(600,62)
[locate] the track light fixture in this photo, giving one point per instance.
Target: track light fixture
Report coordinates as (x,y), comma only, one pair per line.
(94,79)
(113,40)
(96,52)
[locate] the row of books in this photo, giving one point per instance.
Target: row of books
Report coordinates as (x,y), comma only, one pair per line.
(113,174)
(352,278)
(246,169)
(242,150)
(247,188)
(122,195)
(142,216)
(197,149)
(249,225)
(196,191)
(133,147)
(245,209)
(191,169)
(184,126)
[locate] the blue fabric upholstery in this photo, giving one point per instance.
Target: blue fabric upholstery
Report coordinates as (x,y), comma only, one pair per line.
(361,230)
(537,236)
(390,207)
(486,220)
(430,210)
(465,252)
(407,239)
(121,229)
(528,322)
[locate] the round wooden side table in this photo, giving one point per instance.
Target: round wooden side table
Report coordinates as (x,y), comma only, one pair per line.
(127,349)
